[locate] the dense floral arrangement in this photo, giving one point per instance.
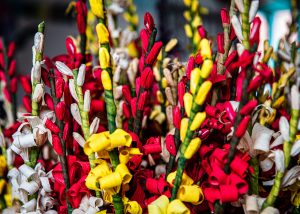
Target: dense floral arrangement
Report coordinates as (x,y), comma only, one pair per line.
(117,124)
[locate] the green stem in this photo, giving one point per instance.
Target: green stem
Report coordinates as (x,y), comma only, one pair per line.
(246,25)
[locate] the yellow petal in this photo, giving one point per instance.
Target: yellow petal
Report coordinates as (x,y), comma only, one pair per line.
(205,49)
(196,22)
(132,50)
(187,2)
(192,148)
(183,128)
(194,6)
(124,172)
(186,180)
(171,44)
(159,206)
(206,68)
(133,207)
(202,92)
(96,143)
(112,180)
(102,33)
(279,102)
(188,30)
(91,182)
(164,82)
(187,15)
(106,81)
(120,138)
(188,102)
(159,97)
(196,39)
(124,156)
(195,77)
(97,8)
(198,120)
(177,207)
(104,58)
(192,194)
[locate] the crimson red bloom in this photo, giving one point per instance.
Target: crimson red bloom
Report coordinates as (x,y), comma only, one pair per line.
(147,78)
(148,21)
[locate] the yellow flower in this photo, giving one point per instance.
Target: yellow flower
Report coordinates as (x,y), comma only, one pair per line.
(187,2)
(3,165)
(97,8)
(188,30)
(187,15)
(102,33)
(183,128)
(196,21)
(206,68)
(104,58)
(202,92)
(106,81)
(205,49)
(188,102)
(198,120)
(192,148)
(195,77)
(171,44)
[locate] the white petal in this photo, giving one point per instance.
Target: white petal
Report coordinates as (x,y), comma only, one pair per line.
(237,27)
(79,139)
(290,177)
(81,75)
(278,141)
(240,5)
(94,125)
(279,160)
(87,101)
(270,210)
(63,68)
(76,113)
(39,41)
(253,9)
(284,128)
(261,136)
(38,92)
(295,97)
(240,48)
(37,72)
(295,148)
(73,90)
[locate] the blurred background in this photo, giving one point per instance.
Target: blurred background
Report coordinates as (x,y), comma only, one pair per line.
(19,18)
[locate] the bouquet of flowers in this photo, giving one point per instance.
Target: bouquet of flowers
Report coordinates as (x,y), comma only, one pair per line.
(118,124)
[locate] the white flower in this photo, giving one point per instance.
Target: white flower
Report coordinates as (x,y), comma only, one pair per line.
(63,68)
(284,128)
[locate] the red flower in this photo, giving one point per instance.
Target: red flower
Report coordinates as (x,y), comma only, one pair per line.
(144,35)
(60,110)
(51,126)
(220,42)
(12,68)
(27,103)
(142,100)
(254,33)
(147,78)
(176,117)
(13,85)
(152,56)
(126,93)
(248,108)
(49,101)
(190,66)
(25,83)
(57,144)
(59,87)
(170,144)
(225,16)
(242,127)
(71,48)
(201,31)
(181,92)
(148,21)
(81,16)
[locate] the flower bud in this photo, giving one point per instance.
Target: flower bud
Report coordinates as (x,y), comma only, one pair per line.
(97,8)
(102,33)
(188,102)
(203,92)
(81,75)
(104,57)
(106,81)
(62,68)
